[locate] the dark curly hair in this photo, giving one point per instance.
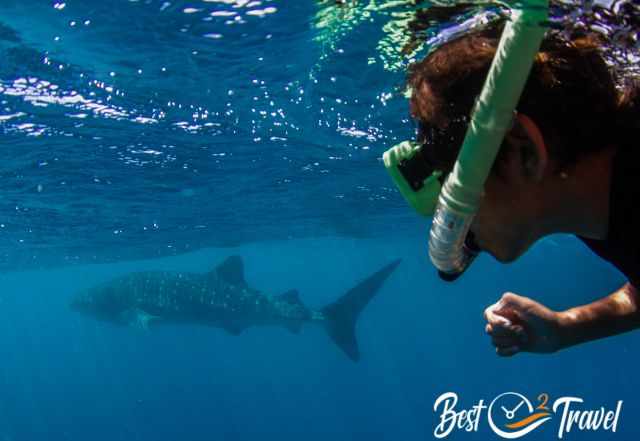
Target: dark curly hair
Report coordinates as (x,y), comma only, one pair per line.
(570,93)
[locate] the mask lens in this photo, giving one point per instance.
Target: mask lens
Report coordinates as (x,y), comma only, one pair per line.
(414,176)
(415,170)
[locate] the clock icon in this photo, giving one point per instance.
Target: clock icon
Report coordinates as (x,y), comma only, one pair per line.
(511,415)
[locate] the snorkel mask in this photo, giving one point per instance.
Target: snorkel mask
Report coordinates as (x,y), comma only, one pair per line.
(454,204)
(421,186)
(413,176)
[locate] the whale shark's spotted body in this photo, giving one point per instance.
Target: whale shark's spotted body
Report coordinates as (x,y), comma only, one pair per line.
(223,299)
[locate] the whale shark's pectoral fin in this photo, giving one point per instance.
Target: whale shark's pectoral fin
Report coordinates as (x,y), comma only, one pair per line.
(232,271)
(138,318)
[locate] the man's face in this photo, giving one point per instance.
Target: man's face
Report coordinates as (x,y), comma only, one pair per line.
(506,223)
(512,214)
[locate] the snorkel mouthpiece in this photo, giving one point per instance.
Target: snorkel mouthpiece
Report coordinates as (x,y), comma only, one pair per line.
(451,245)
(450,252)
(470,252)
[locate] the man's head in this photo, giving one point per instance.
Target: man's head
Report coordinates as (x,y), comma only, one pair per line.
(566,115)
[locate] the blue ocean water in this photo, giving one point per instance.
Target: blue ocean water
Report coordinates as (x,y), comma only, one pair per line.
(140,135)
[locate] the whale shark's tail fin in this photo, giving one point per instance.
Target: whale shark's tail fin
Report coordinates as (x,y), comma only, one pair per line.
(341,316)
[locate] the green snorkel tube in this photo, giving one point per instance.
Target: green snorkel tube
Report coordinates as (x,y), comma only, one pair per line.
(454,205)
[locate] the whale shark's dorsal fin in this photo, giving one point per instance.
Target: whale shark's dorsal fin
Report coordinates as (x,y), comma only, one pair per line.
(292,296)
(232,271)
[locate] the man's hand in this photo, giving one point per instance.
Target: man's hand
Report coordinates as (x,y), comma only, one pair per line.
(517,324)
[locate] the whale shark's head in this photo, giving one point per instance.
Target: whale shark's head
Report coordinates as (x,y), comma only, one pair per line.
(86,303)
(95,302)
(82,302)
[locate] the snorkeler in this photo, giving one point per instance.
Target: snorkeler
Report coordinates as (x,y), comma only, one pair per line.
(568,164)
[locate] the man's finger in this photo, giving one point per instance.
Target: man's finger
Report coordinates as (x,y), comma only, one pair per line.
(499,329)
(504,342)
(495,319)
(512,299)
(489,310)
(515,334)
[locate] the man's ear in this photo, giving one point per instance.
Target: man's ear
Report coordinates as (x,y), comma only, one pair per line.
(534,155)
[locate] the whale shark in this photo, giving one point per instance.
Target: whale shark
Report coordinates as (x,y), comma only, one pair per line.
(222,298)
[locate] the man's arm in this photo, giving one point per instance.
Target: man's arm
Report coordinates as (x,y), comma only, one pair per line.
(517,323)
(614,314)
